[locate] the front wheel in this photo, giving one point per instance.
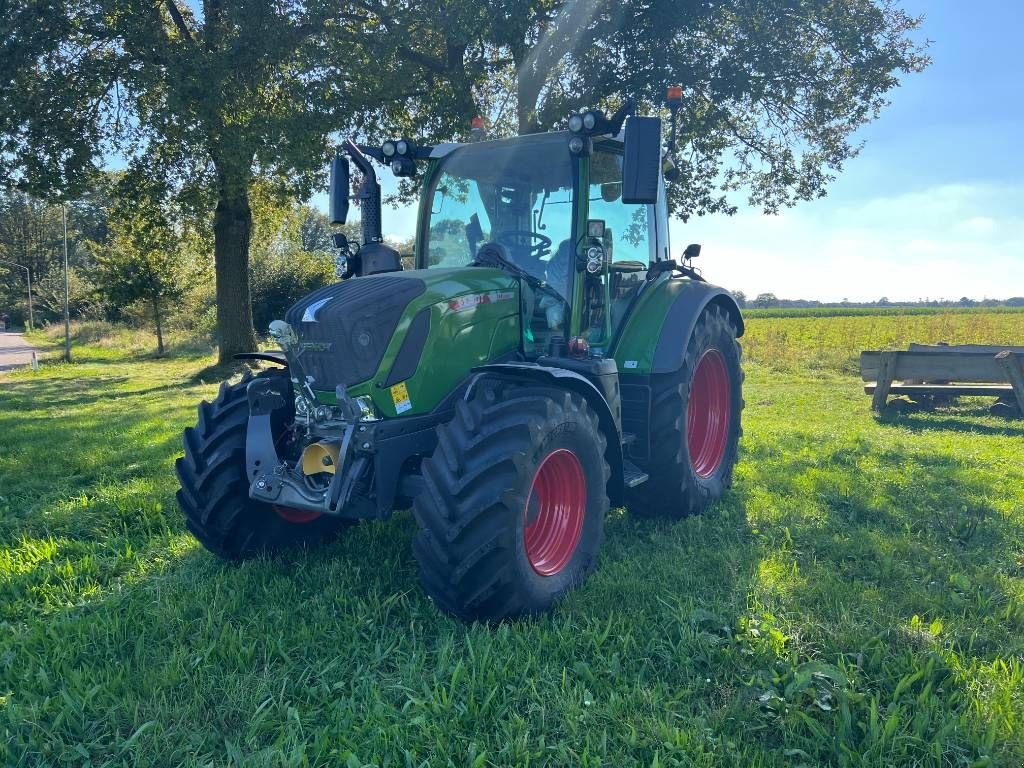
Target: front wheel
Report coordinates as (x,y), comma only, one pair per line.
(512,513)
(695,424)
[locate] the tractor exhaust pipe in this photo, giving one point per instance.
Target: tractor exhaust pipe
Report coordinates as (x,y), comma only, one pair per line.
(369,194)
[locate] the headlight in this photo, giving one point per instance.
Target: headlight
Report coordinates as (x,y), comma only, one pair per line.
(388,149)
(576,123)
(595,259)
(575,145)
(589,121)
(302,406)
(402,147)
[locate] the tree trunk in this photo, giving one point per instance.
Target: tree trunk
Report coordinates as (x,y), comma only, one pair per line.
(232,226)
(159,327)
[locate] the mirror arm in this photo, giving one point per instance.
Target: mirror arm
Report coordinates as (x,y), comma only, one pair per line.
(670,265)
(616,121)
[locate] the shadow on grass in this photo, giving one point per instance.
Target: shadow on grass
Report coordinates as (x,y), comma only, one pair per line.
(892,567)
(955,419)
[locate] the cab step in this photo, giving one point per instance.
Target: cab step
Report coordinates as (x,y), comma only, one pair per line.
(632,475)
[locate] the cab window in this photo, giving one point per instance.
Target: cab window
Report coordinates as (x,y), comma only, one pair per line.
(629,229)
(629,239)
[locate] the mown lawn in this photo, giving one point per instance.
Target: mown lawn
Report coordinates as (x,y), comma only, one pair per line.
(857,599)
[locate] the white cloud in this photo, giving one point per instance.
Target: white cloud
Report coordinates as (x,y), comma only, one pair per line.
(944,242)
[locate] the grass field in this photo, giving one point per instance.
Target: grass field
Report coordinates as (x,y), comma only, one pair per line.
(856,600)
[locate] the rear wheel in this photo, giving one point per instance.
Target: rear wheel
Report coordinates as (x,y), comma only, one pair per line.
(512,513)
(695,424)
(214,493)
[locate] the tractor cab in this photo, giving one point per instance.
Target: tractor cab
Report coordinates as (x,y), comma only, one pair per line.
(532,205)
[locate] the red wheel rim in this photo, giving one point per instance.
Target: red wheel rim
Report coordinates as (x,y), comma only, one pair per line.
(296,516)
(558,499)
(707,414)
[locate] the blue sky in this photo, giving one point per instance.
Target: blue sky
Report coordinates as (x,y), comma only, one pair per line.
(932,208)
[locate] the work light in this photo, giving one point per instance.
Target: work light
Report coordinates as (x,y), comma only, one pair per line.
(576,123)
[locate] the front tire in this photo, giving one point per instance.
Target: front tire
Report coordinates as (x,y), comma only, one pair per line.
(695,424)
(214,493)
(512,513)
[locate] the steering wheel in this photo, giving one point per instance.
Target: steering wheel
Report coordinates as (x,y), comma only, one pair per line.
(536,244)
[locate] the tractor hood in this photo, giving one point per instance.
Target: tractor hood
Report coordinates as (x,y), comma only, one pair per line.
(386,329)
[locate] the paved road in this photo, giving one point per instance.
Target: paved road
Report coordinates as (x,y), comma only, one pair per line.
(14,351)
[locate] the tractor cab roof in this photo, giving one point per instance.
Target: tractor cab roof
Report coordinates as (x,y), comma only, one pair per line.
(439,151)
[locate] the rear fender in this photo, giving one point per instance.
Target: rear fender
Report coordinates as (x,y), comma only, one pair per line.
(658,329)
(575,382)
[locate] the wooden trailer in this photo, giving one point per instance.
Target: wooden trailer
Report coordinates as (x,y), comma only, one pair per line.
(935,375)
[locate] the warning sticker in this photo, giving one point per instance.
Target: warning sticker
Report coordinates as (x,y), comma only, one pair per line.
(400,397)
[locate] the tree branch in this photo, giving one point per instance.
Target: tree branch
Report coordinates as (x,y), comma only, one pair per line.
(179,22)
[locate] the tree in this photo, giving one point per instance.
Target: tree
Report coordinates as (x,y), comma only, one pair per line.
(741,298)
(774,91)
(205,101)
(142,259)
(766,300)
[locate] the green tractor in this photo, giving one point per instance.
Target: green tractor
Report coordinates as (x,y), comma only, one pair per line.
(546,360)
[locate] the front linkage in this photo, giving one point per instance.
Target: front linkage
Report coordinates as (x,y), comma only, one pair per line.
(274,481)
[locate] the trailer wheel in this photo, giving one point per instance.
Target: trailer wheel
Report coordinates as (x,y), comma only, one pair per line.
(512,513)
(214,493)
(695,424)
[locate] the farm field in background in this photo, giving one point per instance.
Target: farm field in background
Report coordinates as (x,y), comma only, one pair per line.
(857,599)
(805,340)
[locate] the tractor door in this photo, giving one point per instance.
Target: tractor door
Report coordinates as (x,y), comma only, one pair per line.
(633,236)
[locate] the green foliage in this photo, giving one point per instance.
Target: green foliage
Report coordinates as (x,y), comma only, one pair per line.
(280,277)
(31,236)
(141,261)
(773,93)
(200,104)
(290,255)
(857,599)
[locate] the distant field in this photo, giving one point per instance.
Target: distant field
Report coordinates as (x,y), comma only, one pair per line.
(803,340)
(856,600)
(885,311)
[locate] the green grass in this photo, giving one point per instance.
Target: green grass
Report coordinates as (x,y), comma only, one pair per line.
(856,600)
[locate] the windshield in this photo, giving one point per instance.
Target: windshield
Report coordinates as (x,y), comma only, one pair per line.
(517,195)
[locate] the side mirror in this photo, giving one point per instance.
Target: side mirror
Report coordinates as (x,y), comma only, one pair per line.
(692,251)
(339,192)
(641,163)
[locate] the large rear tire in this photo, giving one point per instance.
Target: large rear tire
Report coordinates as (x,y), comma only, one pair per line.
(512,513)
(695,424)
(214,493)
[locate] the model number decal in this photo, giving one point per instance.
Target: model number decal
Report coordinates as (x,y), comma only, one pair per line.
(629,364)
(476,299)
